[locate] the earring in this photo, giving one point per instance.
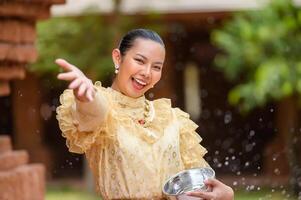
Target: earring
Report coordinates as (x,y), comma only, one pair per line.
(116,69)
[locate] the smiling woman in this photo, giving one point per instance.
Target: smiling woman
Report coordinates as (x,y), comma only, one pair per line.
(133,145)
(139,59)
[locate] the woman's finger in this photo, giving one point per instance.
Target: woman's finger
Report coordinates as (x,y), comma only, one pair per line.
(201,194)
(90,83)
(75,84)
(90,89)
(68,76)
(213,182)
(82,89)
(64,64)
(89,94)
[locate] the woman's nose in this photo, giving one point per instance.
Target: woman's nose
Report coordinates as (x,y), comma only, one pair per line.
(147,71)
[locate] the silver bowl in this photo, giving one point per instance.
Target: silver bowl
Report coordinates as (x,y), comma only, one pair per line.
(187,181)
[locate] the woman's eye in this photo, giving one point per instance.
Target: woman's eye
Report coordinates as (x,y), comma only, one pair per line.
(157,68)
(139,60)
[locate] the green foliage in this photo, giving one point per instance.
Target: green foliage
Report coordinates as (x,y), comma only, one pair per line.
(66,192)
(85,41)
(261,51)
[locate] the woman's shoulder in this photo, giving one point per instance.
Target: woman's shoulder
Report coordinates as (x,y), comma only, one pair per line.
(162,103)
(165,105)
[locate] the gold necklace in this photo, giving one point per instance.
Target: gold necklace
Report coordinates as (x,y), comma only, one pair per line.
(146,114)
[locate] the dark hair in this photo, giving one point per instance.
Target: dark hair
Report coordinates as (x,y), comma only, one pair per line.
(128,39)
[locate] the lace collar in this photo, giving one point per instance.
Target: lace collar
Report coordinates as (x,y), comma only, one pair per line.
(127,101)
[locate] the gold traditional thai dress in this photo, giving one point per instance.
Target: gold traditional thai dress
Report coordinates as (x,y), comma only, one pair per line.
(130,160)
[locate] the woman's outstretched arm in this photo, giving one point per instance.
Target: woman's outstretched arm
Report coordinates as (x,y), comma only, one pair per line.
(90,105)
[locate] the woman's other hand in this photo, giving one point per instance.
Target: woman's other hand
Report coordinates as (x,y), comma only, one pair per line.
(82,86)
(219,191)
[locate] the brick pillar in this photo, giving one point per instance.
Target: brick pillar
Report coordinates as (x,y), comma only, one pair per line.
(18,179)
(18,36)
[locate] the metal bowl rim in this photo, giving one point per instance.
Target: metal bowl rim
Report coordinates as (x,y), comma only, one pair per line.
(182,172)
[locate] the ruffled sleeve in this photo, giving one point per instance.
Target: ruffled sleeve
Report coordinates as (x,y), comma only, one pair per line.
(80,128)
(192,153)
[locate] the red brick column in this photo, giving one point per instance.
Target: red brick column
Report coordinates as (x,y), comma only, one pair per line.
(18,20)
(18,179)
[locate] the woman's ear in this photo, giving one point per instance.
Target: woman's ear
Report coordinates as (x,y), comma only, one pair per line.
(116,56)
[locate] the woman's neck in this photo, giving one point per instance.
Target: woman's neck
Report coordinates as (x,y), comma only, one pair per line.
(114,86)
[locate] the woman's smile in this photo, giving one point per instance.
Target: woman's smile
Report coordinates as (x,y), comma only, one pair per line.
(138,84)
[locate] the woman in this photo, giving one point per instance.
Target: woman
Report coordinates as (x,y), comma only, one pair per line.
(132,144)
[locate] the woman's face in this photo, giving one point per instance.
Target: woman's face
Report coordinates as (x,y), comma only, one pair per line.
(140,68)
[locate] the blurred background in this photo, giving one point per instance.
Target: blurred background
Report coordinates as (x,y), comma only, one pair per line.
(233,65)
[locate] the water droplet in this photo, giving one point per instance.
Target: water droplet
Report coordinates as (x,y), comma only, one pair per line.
(252,133)
(46,111)
(231,150)
(277,171)
(227,118)
(249,147)
(251,187)
(151,95)
(218,112)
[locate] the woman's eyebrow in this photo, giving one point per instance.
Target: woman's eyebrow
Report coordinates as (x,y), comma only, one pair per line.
(158,62)
(142,56)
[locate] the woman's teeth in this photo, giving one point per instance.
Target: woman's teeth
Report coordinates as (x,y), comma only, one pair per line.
(140,82)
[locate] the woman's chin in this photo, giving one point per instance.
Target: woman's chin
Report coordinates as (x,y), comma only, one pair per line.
(134,93)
